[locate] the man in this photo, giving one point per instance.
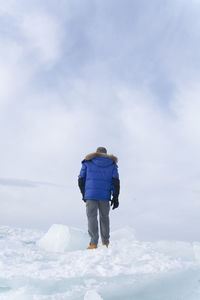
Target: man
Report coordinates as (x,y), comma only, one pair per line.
(98,181)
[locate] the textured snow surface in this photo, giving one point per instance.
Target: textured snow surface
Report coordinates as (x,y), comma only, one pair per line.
(56,266)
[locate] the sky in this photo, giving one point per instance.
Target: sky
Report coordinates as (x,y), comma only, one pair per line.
(78,74)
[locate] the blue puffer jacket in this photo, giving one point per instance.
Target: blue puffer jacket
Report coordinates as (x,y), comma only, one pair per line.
(98,169)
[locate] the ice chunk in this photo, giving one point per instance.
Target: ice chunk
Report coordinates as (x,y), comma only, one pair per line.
(92,295)
(61,238)
(57,239)
(125,233)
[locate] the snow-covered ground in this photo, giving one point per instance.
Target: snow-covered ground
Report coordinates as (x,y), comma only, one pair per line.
(56,265)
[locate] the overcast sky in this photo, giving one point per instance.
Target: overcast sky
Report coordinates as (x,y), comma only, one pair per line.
(78,74)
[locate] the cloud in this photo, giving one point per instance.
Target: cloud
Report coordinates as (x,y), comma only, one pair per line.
(24,183)
(79,75)
(43,36)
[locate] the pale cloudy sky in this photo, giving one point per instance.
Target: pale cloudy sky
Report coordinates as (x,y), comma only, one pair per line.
(77,74)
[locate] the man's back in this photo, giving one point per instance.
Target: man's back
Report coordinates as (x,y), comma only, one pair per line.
(99,171)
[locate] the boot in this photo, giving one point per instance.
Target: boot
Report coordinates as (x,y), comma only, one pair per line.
(106,244)
(92,246)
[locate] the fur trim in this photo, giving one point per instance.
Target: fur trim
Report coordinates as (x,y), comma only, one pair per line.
(95,154)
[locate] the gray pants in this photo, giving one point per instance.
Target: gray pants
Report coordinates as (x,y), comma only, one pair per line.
(92,208)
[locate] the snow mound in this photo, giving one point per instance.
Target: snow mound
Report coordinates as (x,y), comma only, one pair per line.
(176,249)
(61,238)
(92,295)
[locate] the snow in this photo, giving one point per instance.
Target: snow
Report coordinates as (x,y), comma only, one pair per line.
(92,295)
(55,265)
(175,249)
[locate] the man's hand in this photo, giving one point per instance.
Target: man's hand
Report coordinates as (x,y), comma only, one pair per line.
(114,202)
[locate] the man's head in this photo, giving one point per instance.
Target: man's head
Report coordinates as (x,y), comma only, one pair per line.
(101,150)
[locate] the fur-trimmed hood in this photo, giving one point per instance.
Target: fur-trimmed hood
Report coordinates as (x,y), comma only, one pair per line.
(97,154)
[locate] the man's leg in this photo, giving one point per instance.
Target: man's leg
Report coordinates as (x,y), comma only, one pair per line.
(104,208)
(91,210)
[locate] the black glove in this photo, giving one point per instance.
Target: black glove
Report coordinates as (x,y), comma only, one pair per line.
(114,202)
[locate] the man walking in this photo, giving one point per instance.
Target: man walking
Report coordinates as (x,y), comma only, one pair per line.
(98,181)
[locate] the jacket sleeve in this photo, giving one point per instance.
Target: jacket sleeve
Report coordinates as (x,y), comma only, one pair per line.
(81,184)
(81,179)
(116,187)
(115,171)
(115,182)
(83,171)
